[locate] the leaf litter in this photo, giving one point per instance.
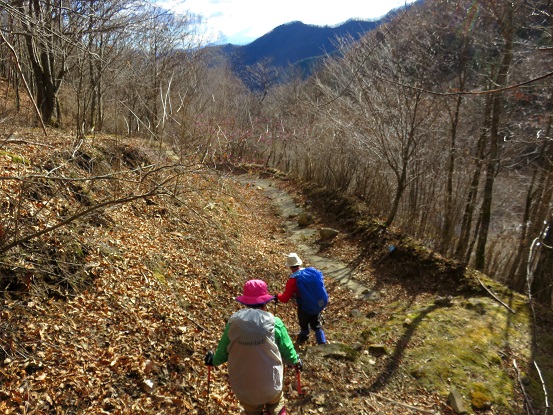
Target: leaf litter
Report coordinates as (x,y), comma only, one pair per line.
(161,280)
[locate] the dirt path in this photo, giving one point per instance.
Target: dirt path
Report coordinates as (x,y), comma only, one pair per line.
(305,238)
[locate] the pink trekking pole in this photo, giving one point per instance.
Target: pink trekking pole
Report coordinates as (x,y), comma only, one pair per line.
(298,378)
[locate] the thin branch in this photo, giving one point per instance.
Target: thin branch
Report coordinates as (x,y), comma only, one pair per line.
(486,91)
(78,215)
(530,267)
(138,119)
(110,176)
(414,408)
(495,296)
(543,387)
(20,141)
(529,409)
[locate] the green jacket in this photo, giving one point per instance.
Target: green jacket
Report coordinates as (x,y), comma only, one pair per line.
(255,343)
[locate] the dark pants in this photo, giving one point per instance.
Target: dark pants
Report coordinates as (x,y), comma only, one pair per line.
(308,321)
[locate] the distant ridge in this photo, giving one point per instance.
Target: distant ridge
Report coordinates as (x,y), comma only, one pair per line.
(292,42)
(293,45)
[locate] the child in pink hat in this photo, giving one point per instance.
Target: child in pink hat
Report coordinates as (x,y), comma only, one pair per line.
(256,345)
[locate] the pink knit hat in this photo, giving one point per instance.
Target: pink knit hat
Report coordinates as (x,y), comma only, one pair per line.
(255,293)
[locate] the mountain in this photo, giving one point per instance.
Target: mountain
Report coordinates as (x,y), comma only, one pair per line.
(293,44)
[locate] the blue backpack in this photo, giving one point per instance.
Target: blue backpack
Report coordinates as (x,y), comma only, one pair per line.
(312,298)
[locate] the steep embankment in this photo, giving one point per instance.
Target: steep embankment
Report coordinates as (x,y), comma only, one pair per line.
(113,312)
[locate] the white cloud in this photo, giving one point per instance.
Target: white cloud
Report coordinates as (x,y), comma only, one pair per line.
(242,21)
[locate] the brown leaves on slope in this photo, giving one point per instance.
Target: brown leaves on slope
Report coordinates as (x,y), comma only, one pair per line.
(163,276)
(160,277)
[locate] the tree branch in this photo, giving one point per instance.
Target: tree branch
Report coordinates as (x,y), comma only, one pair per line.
(529,409)
(78,215)
(543,387)
(495,296)
(20,141)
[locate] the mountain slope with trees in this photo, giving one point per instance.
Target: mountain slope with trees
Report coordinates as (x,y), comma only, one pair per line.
(292,48)
(293,42)
(287,50)
(438,121)
(117,135)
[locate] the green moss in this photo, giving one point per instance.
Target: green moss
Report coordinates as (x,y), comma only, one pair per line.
(495,359)
(466,348)
(160,277)
(367,335)
(350,353)
(15,158)
(418,372)
(480,397)
(412,316)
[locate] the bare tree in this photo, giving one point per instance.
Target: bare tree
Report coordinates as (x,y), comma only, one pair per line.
(504,19)
(542,276)
(48,31)
(64,36)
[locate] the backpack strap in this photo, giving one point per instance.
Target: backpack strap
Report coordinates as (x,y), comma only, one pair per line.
(295,274)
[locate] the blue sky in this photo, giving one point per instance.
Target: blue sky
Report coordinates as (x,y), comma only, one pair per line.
(242,21)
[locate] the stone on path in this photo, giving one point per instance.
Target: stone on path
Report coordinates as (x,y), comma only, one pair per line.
(328,233)
(456,402)
(305,219)
(337,351)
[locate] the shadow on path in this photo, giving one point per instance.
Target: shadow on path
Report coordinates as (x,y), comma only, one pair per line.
(394,360)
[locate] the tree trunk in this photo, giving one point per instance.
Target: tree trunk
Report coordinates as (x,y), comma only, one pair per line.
(493,158)
(447,229)
(470,204)
(539,195)
(517,277)
(491,171)
(407,149)
(45,90)
(42,60)
(400,187)
(542,281)
(544,188)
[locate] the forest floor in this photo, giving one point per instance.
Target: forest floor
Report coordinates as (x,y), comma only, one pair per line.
(114,312)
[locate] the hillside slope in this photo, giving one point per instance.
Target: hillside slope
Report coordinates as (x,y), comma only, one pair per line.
(114,312)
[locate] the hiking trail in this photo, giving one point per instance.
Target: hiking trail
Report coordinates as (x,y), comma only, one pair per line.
(305,237)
